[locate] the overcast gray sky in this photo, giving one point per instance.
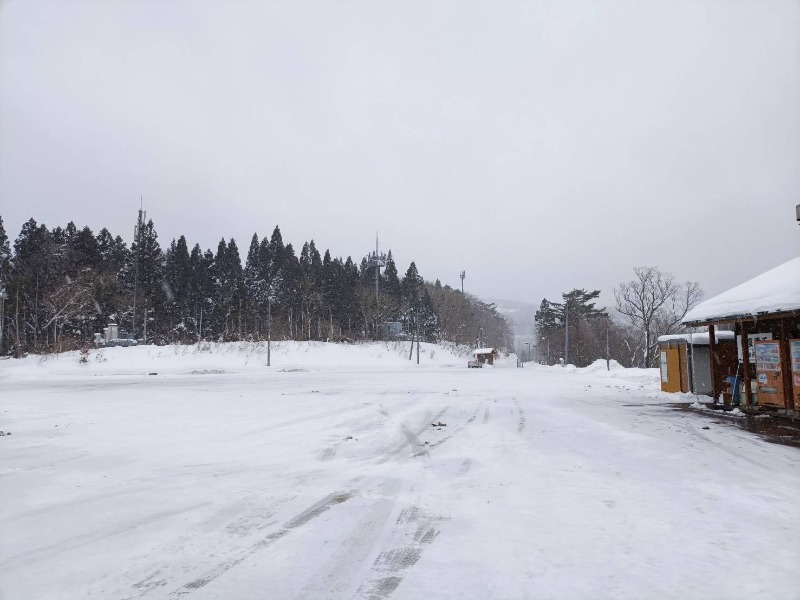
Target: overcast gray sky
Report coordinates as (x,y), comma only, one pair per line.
(541,146)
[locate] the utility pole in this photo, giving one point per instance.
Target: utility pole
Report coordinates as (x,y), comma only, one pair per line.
(462,275)
(417,324)
(566,332)
(269,329)
(16,323)
(608,355)
(2,314)
(528,344)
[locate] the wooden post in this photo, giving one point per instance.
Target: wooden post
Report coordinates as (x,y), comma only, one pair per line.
(786,367)
(745,391)
(712,357)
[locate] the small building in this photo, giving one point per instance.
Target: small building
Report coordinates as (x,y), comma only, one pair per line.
(485,355)
(765,313)
(392,330)
(114,336)
(685,361)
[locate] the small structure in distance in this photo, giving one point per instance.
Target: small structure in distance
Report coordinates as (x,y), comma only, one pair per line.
(392,330)
(484,356)
(114,336)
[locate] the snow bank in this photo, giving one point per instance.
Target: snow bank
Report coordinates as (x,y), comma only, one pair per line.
(614,370)
(231,357)
(601,365)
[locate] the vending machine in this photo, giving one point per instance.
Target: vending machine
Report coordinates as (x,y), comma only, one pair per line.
(769,373)
(794,346)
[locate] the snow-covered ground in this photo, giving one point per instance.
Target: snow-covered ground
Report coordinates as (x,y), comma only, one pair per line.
(324,477)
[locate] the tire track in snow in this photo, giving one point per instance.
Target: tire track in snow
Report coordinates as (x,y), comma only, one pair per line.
(454,431)
(335,577)
(299,520)
(522,420)
(88,538)
(327,454)
(485,416)
(407,441)
(416,530)
(416,447)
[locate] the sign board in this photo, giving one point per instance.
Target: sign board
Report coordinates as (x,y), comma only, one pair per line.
(664,373)
(750,339)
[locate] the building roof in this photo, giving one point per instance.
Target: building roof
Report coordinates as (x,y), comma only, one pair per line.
(483,351)
(698,339)
(776,291)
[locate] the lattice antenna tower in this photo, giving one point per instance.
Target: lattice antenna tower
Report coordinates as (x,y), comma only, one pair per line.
(137,232)
(377,260)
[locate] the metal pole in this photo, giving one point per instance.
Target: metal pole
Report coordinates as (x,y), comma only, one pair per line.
(377,268)
(269,329)
(691,359)
(417,337)
(566,332)
(2,315)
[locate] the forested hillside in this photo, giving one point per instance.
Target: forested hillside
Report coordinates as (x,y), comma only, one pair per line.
(63,284)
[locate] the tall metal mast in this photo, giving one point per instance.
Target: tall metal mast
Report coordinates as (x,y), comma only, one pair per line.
(377,260)
(137,232)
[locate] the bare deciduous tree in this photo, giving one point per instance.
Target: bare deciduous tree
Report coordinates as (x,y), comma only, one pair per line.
(654,303)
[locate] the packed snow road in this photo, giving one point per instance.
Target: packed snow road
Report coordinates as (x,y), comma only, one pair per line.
(386,482)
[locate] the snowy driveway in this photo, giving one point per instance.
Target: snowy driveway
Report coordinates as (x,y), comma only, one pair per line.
(334,484)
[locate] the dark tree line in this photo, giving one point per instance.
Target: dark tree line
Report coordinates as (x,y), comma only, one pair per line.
(62,285)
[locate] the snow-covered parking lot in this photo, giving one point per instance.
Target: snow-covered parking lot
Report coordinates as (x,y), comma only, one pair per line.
(350,472)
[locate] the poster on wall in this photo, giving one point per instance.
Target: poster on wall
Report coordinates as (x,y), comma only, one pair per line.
(664,377)
(750,339)
(768,356)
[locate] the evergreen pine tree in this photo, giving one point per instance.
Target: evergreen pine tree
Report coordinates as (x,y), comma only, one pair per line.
(393,287)
(412,284)
(5,255)
(178,284)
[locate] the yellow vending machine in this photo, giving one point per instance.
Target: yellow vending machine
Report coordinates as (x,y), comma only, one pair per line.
(769,374)
(794,346)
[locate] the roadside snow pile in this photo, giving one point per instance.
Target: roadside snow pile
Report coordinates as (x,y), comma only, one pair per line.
(614,370)
(601,365)
(231,357)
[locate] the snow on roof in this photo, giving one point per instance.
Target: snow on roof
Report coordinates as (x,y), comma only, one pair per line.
(777,290)
(483,351)
(698,339)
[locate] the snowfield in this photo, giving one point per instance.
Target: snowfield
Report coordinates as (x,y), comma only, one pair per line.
(351,472)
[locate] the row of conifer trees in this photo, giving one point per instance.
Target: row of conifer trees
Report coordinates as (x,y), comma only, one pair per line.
(61,285)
